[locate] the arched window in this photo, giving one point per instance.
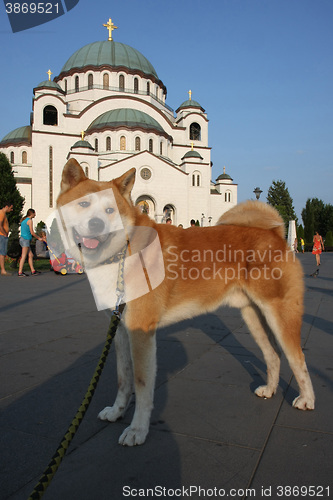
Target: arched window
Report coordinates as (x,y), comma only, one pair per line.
(50,176)
(12,157)
(169,212)
(150,145)
(77,84)
(86,171)
(121,82)
(66,86)
(136,86)
(137,144)
(148,88)
(227,196)
(156,91)
(24,157)
(108,144)
(96,145)
(50,115)
(146,205)
(90,81)
(106,81)
(196,179)
(195,132)
(122,143)
(161,148)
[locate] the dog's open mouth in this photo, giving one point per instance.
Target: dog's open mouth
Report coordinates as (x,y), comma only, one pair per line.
(89,242)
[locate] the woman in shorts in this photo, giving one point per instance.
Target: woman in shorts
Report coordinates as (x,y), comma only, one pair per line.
(27,232)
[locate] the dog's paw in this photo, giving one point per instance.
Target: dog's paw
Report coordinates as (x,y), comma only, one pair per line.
(110,413)
(302,403)
(263,391)
(133,437)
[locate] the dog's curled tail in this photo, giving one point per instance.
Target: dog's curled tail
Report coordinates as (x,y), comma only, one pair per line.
(254,214)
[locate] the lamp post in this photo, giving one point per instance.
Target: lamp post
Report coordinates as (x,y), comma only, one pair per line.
(257,191)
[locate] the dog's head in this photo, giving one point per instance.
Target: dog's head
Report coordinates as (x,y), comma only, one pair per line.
(96,217)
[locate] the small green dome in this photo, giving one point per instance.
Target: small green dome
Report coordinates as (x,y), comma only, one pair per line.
(224,177)
(18,136)
(190,104)
(124,117)
(49,84)
(82,144)
(109,53)
(192,154)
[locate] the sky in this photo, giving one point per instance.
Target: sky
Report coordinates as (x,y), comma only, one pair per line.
(262,70)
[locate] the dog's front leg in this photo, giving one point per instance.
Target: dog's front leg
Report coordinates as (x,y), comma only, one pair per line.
(125,377)
(143,349)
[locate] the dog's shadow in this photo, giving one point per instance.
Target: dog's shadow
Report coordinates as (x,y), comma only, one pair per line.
(181,344)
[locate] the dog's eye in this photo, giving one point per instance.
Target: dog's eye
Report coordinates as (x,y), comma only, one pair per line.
(84,204)
(109,210)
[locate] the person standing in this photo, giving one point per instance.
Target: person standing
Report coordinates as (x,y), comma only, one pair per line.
(302,245)
(318,246)
(6,208)
(27,232)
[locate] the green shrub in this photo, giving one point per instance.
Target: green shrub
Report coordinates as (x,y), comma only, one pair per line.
(329,239)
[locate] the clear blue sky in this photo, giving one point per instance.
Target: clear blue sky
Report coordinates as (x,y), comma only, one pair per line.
(262,69)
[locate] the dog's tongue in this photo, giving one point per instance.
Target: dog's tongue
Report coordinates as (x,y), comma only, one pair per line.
(90,242)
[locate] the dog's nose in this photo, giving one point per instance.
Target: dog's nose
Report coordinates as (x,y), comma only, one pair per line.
(96,225)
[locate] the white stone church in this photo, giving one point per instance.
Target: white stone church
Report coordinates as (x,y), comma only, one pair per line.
(107,108)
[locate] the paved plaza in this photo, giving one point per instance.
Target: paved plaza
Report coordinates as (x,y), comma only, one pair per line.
(210,435)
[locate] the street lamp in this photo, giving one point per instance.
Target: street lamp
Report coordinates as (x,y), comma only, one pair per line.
(257,192)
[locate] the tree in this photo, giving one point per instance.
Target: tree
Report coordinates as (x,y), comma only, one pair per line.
(300,231)
(40,227)
(9,191)
(322,215)
(308,219)
(278,196)
(329,239)
(327,218)
(318,207)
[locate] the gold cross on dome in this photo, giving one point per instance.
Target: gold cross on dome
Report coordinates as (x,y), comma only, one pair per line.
(49,72)
(190,95)
(82,135)
(110,27)
(192,144)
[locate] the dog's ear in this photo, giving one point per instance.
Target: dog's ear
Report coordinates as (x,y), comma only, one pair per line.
(125,184)
(71,175)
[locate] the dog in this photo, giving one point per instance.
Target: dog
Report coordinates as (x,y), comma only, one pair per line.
(242,262)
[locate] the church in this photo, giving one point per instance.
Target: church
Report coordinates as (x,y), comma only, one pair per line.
(107,109)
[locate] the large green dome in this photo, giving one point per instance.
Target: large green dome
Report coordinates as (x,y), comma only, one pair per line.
(109,53)
(21,135)
(125,117)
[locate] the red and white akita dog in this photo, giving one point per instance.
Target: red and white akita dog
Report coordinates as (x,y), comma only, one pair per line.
(242,262)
